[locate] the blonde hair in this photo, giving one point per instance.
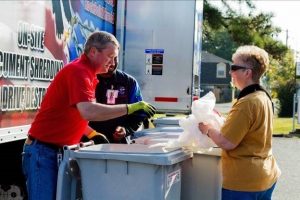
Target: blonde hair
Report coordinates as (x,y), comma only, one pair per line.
(253,57)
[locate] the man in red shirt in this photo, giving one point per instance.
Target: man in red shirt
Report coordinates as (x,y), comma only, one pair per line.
(65,111)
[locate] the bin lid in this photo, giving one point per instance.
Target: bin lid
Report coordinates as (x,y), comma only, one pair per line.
(167,120)
(168,130)
(134,153)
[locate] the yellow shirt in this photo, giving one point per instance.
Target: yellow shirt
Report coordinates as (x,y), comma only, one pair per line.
(251,165)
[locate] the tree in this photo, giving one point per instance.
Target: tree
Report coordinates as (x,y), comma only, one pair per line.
(224,31)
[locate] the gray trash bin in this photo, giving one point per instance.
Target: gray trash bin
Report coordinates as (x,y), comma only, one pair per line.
(166,121)
(158,131)
(131,172)
(202,177)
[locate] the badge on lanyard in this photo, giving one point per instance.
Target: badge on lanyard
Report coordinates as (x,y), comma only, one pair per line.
(111,95)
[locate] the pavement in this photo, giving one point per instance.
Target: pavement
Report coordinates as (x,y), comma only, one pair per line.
(287,154)
(223,108)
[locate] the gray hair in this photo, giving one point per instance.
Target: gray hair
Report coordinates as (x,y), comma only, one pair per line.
(254,57)
(100,40)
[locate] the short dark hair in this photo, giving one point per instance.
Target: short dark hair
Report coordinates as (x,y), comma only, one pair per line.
(99,40)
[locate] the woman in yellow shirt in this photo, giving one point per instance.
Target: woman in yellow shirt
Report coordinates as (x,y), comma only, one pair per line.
(248,166)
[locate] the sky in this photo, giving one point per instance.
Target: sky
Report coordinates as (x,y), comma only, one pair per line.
(286,16)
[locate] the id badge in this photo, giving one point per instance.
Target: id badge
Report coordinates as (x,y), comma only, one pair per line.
(111,96)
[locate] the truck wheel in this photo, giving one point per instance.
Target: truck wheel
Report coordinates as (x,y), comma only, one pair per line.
(11,192)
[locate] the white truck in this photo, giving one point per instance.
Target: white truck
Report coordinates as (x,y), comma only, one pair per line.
(160,46)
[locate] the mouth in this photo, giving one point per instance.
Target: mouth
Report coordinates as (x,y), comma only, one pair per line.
(106,67)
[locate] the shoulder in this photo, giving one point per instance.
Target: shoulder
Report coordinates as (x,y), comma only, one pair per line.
(253,101)
(126,76)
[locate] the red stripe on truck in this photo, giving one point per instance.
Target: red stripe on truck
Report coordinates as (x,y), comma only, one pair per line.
(166,99)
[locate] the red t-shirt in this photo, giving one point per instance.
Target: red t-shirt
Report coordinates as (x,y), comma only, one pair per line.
(58,120)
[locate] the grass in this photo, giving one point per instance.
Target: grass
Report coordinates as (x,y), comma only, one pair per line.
(281,125)
(284,125)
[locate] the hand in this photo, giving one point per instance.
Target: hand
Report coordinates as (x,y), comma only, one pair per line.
(98,138)
(147,108)
(119,133)
(204,128)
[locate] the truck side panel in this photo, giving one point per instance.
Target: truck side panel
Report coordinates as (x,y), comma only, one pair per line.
(37,39)
(162,45)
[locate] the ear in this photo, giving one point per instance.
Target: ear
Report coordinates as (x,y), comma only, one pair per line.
(249,73)
(93,51)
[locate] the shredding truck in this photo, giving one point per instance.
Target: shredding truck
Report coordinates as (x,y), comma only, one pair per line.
(160,46)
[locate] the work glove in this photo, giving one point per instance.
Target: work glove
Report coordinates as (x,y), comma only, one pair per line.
(141,106)
(98,138)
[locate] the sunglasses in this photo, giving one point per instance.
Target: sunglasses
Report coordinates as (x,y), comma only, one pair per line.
(237,67)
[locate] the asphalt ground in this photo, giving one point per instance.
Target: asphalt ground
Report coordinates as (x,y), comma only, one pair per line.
(287,154)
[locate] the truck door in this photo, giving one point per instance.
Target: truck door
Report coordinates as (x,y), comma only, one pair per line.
(161,49)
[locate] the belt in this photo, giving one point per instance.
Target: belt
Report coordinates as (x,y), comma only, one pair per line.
(31,140)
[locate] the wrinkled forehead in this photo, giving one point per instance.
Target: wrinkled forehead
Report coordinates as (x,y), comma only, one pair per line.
(111,49)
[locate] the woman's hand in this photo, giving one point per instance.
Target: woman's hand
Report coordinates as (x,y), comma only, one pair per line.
(204,128)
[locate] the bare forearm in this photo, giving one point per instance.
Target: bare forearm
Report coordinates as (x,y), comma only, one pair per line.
(219,139)
(101,112)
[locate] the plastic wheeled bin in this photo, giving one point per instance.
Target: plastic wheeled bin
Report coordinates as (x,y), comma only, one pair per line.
(166,121)
(159,131)
(201,176)
(131,172)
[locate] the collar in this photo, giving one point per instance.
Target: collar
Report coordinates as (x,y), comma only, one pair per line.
(84,58)
(253,88)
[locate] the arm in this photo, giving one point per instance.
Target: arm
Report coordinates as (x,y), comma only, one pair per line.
(216,136)
(91,111)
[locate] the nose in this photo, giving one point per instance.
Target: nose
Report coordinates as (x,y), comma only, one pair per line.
(113,62)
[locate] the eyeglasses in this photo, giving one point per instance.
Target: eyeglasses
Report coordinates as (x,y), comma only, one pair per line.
(237,67)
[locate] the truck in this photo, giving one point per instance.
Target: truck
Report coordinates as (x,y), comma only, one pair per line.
(160,46)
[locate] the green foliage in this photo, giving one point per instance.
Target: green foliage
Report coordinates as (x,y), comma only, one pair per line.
(224,31)
(281,71)
(286,95)
(220,43)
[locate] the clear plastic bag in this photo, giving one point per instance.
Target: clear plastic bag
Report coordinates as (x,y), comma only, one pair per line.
(202,111)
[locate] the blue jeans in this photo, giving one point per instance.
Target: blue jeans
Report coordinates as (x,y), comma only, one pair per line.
(238,195)
(40,168)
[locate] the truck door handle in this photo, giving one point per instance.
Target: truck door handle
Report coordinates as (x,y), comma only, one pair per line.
(188,90)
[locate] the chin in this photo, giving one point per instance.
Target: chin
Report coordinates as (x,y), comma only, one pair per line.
(102,72)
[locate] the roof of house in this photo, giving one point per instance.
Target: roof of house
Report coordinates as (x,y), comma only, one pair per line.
(207,57)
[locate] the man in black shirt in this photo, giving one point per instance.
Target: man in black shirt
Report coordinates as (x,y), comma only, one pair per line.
(117,87)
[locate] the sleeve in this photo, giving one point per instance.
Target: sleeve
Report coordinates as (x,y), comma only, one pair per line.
(135,94)
(237,123)
(81,87)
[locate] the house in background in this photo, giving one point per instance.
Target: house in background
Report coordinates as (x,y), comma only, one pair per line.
(215,77)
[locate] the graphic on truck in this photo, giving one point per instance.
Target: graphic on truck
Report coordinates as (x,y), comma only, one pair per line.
(38,38)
